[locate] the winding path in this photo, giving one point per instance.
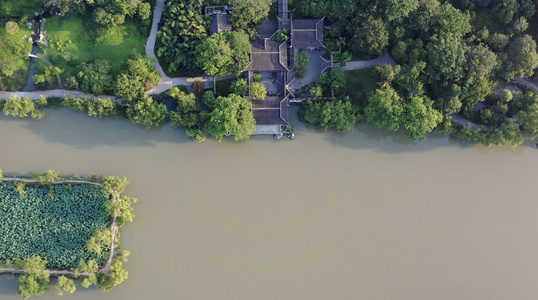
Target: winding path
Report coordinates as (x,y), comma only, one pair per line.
(384,59)
(527,83)
(166,82)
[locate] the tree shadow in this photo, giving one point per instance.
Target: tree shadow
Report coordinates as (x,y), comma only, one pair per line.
(65,126)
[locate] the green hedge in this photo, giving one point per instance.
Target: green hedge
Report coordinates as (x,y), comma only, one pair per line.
(57,229)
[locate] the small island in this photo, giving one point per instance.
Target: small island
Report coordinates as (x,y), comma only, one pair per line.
(66,228)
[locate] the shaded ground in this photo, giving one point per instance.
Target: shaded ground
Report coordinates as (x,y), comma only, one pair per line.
(315,66)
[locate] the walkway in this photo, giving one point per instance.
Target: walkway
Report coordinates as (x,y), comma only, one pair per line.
(382,60)
(166,82)
(527,83)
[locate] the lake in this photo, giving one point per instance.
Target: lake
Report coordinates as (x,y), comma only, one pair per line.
(363,215)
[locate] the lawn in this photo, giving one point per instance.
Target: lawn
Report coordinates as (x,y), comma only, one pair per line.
(359,83)
(56,228)
(14,61)
(223,87)
(72,43)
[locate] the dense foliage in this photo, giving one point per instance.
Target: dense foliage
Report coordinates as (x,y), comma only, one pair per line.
(231,115)
(23,107)
(139,76)
(224,53)
(148,113)
(302,60)
(248,12)
(338,114)
(449,55)
(105,12)
(183,27)
(188,114)
(55,228)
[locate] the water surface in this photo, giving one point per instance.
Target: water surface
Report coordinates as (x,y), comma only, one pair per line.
(367,215)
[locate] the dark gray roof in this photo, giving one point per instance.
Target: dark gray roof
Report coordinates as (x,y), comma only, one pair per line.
(271,111)
(307,33)
(221,22)
(268,55)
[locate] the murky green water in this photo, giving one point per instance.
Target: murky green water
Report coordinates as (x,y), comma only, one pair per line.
(367,215)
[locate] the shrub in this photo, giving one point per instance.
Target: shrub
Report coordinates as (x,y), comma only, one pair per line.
(302,60)
(12,27)
(258,91)
(257,77)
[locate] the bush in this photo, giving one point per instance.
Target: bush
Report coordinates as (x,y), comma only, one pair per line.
(257,77)
(258,91)
(302,60)
(12,27)
(239,87)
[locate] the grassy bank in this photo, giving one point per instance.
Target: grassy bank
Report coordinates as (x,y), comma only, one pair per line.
(359,83)
(14,61)
(73,42)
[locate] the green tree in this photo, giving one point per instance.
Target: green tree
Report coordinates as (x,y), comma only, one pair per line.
(522,58)
(302,60)
(337,114)
(241,47)
(420,116)
(148,113)
(121,208)
(249,12)
(65,285)
(214,56)
(188,114)
(258,91)
(35,279)
(117,274)
(129,88)
(397,10)
(224,53)
(114,185)
(480,61)
(91,267)
(446,59)
(100,241)
(231,114)
(335,79)
(384,108)
(313,8)
(239,87)
(140,75)
(95,77)
(371,38)
(22,107)
(498,41)
(316,92)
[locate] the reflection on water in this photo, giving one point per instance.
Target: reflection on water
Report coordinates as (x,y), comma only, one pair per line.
(366,215)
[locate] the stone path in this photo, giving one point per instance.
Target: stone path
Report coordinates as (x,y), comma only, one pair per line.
(527,83)
(384,59)
(166,82)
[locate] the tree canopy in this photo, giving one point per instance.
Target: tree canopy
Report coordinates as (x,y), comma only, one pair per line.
(231,115)
(248,12)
